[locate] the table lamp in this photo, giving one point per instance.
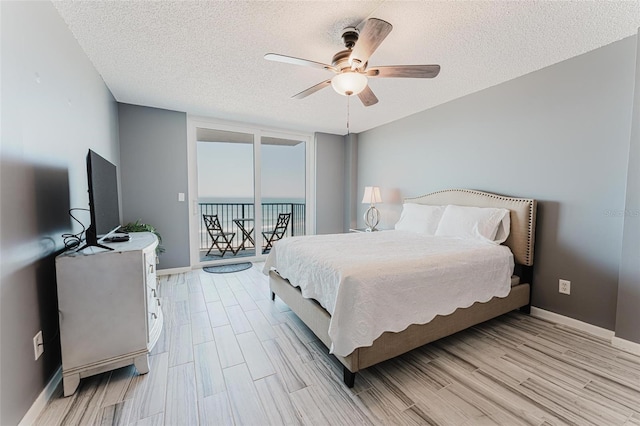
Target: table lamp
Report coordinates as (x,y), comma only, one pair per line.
(372,215)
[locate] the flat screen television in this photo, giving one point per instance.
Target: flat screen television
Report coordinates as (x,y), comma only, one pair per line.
(104,206)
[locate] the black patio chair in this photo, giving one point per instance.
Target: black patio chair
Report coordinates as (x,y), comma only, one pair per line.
(219,238)
(277,232)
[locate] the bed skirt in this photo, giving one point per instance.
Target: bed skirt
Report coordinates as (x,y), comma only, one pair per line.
(390,345)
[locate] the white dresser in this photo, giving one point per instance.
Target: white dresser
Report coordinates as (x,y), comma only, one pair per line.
(110,314)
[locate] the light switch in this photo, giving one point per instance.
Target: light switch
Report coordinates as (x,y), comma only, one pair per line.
(180,196)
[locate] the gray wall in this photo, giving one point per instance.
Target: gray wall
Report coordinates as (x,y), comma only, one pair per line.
(55,107)
(330,183)
(628,319)
(351,199)
(153,145)
(560,135)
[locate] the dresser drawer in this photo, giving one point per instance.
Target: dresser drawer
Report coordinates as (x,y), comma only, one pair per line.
(150,269)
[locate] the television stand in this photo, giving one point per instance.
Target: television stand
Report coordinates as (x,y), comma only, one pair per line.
(102,246)
(110,313)
(91,239)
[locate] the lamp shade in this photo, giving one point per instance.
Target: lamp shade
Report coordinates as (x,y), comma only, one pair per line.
(349,83)
(371,195)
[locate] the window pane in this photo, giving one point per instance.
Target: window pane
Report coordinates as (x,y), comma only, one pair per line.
(283,166)
(225,194)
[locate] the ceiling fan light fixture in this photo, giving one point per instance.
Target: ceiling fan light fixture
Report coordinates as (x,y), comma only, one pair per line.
(349,83)
(350,64)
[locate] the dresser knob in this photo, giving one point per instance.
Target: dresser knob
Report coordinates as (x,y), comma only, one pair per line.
(153,315)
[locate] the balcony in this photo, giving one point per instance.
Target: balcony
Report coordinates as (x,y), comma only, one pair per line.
(228,212)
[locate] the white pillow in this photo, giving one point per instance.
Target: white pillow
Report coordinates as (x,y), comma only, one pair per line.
(419,218)
(484,223)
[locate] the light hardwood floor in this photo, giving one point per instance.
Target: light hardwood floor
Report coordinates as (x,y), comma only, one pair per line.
(229,355)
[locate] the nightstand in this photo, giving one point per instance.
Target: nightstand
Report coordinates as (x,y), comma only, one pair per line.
(363,230)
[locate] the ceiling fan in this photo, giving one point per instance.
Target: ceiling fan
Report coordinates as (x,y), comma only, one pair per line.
(350,65)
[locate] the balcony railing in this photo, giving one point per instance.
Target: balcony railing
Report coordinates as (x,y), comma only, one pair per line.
(227,212)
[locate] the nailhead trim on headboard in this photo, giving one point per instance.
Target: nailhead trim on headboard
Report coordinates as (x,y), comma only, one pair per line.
(523,250)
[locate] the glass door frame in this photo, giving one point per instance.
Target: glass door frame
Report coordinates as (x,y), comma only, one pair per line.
(195,122)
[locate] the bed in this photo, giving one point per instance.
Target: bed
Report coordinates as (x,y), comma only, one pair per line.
(395,340)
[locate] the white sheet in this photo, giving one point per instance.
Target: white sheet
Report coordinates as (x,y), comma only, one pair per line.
(385,281)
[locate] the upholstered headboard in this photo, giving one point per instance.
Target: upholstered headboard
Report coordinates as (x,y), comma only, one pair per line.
(523,215)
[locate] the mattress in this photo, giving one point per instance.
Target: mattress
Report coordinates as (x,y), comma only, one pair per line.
(385,281)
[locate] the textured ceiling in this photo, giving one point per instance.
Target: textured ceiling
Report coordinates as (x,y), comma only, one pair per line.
(206,58)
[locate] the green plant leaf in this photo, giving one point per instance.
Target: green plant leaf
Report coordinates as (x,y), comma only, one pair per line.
(138,226)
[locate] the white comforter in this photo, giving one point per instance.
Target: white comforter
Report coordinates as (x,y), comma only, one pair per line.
(385,281)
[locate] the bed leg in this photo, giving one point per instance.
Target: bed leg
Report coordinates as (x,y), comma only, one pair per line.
(273,296)
(349,377)
(527,277)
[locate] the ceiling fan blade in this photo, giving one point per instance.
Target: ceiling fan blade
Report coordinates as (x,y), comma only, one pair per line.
(404,71)
(367,97)
(298,61)
(374,32)
(311,90)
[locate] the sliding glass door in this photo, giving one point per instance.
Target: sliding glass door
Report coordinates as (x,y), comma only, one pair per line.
(283,178)
(249,188)
(226,194)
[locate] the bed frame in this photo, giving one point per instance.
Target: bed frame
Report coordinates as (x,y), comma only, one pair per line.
(389,345)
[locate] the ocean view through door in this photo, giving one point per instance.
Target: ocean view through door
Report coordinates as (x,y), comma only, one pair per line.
(251,191)
(226,194)
(283,188)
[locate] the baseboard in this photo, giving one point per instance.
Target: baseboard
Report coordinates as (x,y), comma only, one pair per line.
(172,271)
(41,402)
(573,323)
(626,345)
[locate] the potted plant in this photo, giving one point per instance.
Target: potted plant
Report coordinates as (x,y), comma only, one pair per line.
(138,226)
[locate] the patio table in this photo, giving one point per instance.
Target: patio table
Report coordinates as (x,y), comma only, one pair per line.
(246,234)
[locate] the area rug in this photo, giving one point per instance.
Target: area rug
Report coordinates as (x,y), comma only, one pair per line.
(225,269)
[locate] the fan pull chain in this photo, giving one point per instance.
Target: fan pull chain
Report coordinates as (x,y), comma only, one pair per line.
(348,133)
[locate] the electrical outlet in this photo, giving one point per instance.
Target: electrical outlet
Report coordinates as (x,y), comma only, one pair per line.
(564,286)
(38,345)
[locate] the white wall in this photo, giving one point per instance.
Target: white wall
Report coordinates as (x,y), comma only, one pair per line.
(55,107)
(560,135)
